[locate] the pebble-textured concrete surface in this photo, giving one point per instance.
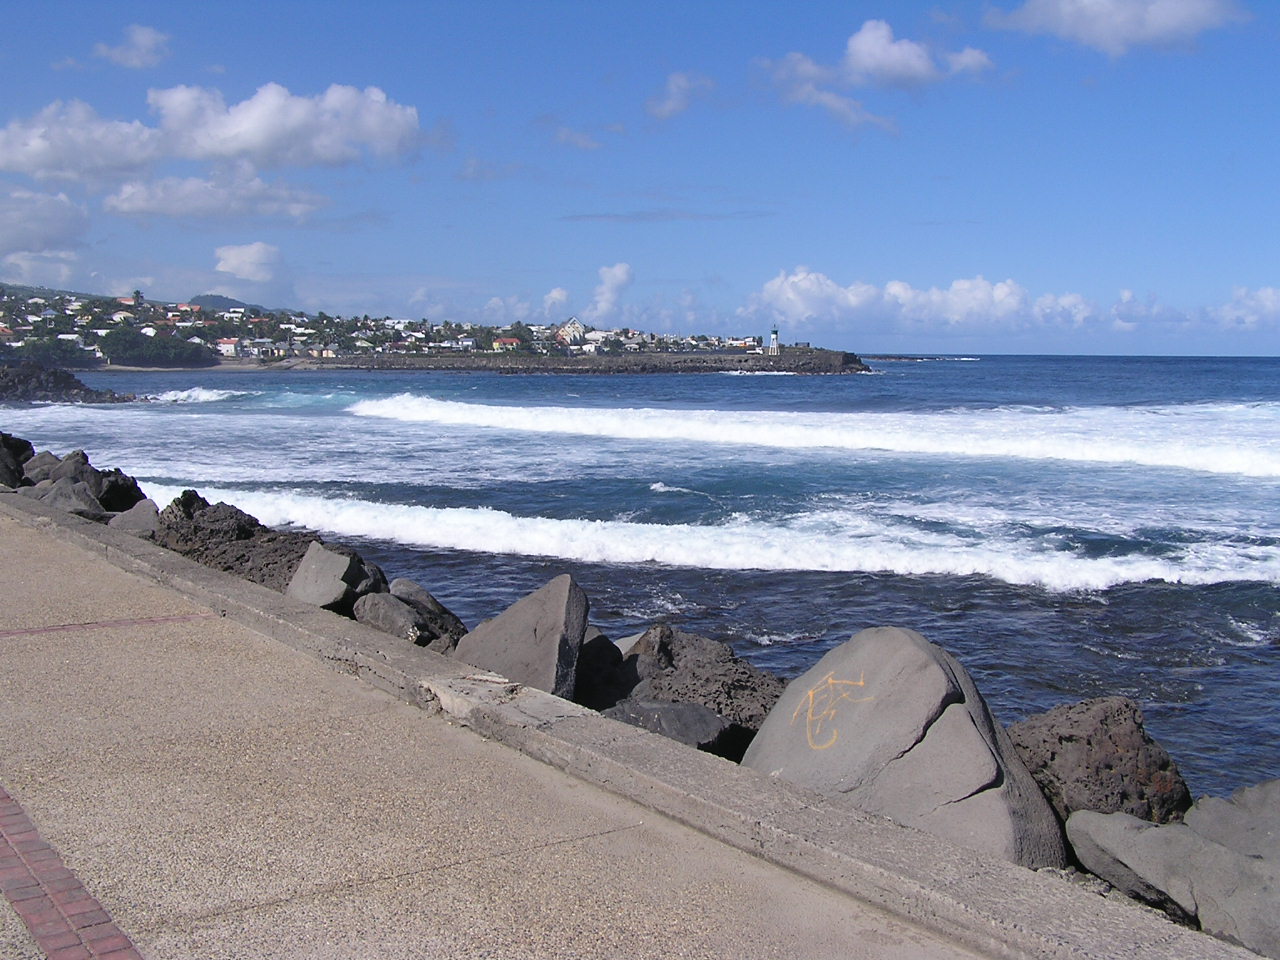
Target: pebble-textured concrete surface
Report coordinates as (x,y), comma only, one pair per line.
(16,942)
(222,795)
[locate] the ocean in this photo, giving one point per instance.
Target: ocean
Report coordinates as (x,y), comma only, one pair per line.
(1067,527)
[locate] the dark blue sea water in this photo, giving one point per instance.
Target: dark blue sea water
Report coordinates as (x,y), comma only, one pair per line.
(1067,527)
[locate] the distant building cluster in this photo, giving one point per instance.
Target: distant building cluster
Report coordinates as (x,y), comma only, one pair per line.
(81,323)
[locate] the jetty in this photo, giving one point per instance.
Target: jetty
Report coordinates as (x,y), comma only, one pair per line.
(799,360)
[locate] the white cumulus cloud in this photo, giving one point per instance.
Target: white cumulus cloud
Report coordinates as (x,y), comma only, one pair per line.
(1113,26)
(554,301)
(1250,309)
(805,297)
(803,81)
(277,128)
(69,141)
(273,128)
(54,268)
(256,261)
(872,57)
(680,91)
(613,281)
(142,47)
(32,223)
(213,198)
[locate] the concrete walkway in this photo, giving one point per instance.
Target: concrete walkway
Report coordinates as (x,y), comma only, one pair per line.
(216,794)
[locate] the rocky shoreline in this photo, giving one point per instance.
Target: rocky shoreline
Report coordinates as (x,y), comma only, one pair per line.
(887,720)
(32,383)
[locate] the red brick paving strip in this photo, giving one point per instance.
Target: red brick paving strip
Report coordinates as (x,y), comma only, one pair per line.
(101,624)
(66,922)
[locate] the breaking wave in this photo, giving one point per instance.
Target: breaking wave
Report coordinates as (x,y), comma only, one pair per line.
(812,542)
(1179,437)
(200,395)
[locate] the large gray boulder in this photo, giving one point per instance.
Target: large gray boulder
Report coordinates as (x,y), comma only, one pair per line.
(72,496)
(896,725)
(536,640)
(439,628)
(1248,822)
(1220,867)
(142,520)
(384,612)
(325,578)
(1096,755)
(40,466)
(114,490)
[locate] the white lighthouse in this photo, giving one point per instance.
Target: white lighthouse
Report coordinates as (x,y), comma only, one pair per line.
(774,348)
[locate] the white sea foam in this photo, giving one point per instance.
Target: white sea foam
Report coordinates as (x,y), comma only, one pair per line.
(759,373)
(812,542)
(1236,439)
(661,487)
(200,395)
(1250,635)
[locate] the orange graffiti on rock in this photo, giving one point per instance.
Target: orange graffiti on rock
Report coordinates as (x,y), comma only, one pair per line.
(820,705)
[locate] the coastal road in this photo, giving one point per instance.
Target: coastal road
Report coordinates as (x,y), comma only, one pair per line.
(176,785)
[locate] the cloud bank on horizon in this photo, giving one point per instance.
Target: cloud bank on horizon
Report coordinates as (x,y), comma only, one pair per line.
(1107,163)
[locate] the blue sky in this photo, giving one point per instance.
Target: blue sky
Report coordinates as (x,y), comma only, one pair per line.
(1013,176)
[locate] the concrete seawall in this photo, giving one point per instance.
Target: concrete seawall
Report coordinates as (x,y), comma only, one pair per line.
(993,907)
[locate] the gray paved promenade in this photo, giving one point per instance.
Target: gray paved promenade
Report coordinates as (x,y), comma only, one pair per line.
(222,795)
(197,767)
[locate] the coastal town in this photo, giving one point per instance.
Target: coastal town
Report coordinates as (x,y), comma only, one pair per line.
(75,330)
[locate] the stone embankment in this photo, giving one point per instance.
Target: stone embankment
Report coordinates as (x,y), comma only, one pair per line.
(792,360)
(887,723)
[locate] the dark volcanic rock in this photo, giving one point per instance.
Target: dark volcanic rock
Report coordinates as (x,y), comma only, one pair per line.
(32,383)
(672,669)
(896,725)
(602,678)
(118,491)
(683,667)
(190,523)
(1096,755)
(21,450)
(226,538)
(14,453)
(689,723)
(10,470)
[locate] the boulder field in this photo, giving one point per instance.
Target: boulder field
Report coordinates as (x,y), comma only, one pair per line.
(886,722)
